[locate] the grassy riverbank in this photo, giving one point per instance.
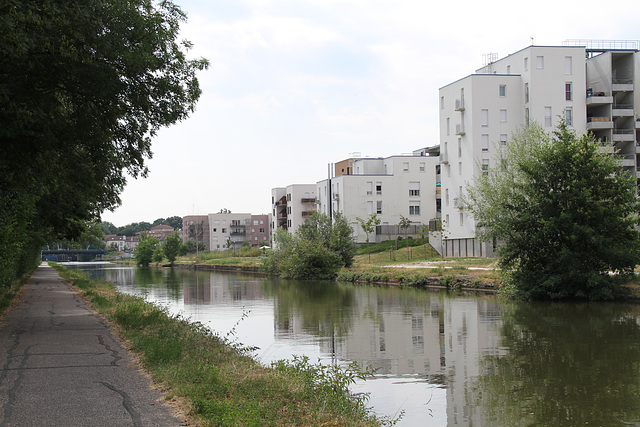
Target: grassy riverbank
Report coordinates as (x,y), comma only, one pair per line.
(218,381)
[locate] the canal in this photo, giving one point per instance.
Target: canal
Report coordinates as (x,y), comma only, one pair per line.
(442,359)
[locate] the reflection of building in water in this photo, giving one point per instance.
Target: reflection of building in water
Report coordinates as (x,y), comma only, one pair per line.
(403,333)
(470,333)
(219,288)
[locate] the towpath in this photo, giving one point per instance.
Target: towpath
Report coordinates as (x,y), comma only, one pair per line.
(62,366)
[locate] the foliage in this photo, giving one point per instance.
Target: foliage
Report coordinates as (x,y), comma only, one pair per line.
(84,87)
(318,250)
(144,252)
(369,225)
(191,247)
(172,246)
(565,217)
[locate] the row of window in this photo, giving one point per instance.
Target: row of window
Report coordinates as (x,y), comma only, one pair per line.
(414,208)
(224,230)
(414,189)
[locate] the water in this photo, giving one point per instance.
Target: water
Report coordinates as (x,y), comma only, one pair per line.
(444,360)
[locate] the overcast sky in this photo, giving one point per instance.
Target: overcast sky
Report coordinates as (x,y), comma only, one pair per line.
(297,84)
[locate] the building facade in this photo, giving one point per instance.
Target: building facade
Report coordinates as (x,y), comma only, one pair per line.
(589,86)
(392,187)
(196,227)
(292,205)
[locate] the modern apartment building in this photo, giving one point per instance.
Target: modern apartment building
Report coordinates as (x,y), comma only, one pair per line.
(588,83)
(391,187)
(292,205)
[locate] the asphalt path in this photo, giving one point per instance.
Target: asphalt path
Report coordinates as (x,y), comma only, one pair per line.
(62,366)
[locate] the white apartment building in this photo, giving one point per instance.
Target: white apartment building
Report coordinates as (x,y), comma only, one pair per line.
(588,84)
(392,187)
(292,205)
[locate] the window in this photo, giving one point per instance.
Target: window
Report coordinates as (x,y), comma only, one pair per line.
(485,142)
(442,102)
(262,230)
(215,230)
(414,208)
(539,62)
(485,166)
(526,92)
(405,166)
(459,147)
(215,238)
(508,69)
(526,64)
(568,92)
(526,117)
(461,218)
(414,189)
(224,230)
(547,116)
(446,196)
(568,116)
(379,207)
(369,188)
(255,222)
(216,222)
(484,118)
(421,167)
(503,91)
(378,188)
(503,139)
(568,66)
(448,126)
(503,116)
(459,168)
(369,207)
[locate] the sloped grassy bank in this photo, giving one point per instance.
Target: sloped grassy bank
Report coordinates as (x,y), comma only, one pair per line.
(221,383)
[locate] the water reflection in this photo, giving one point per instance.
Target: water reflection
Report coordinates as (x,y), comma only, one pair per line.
(564,365)
(445,360)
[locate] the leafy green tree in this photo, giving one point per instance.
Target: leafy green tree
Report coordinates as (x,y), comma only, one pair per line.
(144,252)
(158,254)
(172,246)
(175,222)
(563,213)
(108,228)
(342,241)
(84,87)
(369,226)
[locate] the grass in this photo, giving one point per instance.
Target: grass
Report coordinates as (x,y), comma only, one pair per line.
(221,383)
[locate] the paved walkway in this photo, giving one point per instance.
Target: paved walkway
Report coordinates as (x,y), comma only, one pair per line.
(62,366)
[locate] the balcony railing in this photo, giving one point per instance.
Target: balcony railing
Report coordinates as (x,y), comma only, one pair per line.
(308,200)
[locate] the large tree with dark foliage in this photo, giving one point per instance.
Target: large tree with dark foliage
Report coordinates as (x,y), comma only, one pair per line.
(564,215)
(84,86)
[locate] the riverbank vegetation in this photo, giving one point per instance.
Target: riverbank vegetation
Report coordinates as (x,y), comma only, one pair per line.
(217,378)
(565,216)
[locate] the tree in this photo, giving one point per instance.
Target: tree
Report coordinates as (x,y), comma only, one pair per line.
(369,226)
(172,246)
(84,86)
(342,241)
(175,222)
(563,213)
(145,250)
(405,223)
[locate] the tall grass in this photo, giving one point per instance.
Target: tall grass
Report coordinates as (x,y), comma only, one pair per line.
(222,383)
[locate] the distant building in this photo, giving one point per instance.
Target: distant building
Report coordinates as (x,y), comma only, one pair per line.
(196,227)
(292,205)
(260,233)
(391,187)
(160,232)
(120,243)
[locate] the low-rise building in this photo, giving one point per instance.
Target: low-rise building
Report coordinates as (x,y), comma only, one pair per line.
(196,227)
(292,205)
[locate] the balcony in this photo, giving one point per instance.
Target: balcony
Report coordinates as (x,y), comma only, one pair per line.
(459,129)
(460,104)
(622,85)
(444,158)
(624,135)
(238,232)
(623,110)
(599,100)
(626,160)
(308,200)
(599,123)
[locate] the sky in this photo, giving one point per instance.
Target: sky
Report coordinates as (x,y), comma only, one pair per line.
(295,85)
